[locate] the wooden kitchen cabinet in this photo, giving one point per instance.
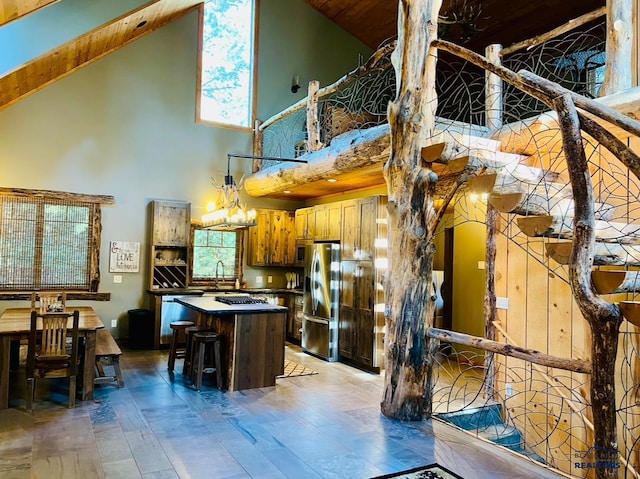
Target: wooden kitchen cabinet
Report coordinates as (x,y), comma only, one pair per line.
(361,220)
(272,240)
(304,222)
(170,223)
(362,265)
(294,318)
(328,221)
(320,222)
(357,339)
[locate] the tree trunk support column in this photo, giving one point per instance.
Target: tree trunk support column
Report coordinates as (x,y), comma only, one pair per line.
(412,216)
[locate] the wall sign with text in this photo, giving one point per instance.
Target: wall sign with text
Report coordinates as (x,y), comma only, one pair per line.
(124,257)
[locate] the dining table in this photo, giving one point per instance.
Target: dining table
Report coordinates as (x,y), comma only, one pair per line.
(15,324)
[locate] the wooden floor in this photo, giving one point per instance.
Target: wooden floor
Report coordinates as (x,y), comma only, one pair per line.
(326,425)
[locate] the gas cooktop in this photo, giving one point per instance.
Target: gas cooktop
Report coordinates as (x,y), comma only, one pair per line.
(239,299)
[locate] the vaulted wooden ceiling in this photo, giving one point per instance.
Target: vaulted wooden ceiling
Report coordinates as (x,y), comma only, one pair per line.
(371,21)
(501,21)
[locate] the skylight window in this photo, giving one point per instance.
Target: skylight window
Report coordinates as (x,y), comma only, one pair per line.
(226,83)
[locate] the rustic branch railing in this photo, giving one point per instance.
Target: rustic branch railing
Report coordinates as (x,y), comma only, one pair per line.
(359,99)
(536,357)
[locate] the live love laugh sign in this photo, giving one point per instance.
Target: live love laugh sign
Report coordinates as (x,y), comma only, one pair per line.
(124,257)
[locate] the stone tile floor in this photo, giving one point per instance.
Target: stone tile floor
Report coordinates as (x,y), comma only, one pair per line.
(324,426)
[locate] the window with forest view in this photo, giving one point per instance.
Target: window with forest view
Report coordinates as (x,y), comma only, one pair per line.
(226,82)
(45,244)
(216,255)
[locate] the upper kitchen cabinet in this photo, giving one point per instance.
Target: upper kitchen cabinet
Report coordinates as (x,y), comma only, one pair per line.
(327,222)
(272,240)
(304,220)
(170,223)
(362,222)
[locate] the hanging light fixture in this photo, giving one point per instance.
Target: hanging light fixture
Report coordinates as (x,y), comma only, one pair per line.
(226,212)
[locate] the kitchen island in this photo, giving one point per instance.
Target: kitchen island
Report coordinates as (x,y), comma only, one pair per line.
(253,337)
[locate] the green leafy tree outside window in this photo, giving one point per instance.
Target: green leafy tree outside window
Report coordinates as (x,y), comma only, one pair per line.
(227,54)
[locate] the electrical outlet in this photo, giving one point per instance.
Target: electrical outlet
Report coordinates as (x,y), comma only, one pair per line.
(114,323)
(117,278)
(508,390)
(269,279)
(258,279)
(481,265)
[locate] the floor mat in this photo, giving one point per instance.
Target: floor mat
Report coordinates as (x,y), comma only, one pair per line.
(292,369)
(434,471)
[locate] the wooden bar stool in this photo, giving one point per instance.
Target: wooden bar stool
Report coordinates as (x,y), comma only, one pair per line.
(188,354)
(175,352)
(203,342)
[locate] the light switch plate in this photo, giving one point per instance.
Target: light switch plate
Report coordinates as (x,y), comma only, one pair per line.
(117,278)
(114,323)
(502,303)
(269,279)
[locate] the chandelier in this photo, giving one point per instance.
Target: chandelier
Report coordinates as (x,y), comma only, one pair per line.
(226,213)
(460,19)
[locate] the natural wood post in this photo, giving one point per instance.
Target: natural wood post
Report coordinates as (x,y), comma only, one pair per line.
(412,216)
(258,139)
(490,300)
(603,318)
(619,59)
(313,122)
(493,90)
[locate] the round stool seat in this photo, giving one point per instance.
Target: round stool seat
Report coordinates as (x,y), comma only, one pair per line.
(206,336)
(175,352)
(177,325)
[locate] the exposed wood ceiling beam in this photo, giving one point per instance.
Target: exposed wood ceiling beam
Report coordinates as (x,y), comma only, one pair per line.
(13,9)
(85,49)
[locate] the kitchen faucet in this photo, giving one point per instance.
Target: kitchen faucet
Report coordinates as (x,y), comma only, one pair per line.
(218,264)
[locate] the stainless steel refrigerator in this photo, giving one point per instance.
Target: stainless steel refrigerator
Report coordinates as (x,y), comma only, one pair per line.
(320,300)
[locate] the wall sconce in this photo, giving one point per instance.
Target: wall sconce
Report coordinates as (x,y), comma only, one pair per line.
(295,84)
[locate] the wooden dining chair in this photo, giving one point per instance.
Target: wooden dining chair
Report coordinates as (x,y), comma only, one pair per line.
(52,351)
(49,301)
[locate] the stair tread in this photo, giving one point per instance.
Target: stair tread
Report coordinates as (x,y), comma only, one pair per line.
(605,254)
(562,227)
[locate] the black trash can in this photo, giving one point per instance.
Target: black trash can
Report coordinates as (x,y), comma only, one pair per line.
(141,328)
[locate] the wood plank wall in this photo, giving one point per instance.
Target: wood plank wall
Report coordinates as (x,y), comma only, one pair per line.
(542,315)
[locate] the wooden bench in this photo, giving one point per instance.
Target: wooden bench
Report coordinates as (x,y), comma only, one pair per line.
(107,350)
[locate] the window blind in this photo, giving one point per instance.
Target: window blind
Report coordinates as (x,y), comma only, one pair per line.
(45,243)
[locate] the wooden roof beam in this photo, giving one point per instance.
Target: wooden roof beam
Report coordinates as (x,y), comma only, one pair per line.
(11,10)
(85,49)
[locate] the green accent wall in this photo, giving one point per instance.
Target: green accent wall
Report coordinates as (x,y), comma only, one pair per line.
(125,126)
